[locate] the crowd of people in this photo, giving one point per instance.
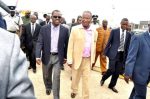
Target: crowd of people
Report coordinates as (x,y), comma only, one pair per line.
(52,43)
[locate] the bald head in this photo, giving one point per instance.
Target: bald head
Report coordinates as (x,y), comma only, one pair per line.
(85,13)
(86,19)
(105,23)
(33,18)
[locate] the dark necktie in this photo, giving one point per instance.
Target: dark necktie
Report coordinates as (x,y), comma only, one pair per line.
(121,47)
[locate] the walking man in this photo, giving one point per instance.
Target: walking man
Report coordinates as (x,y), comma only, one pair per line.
(52,42)
(29,38)
(116,50)
(137,65)
(81,54)
(103,36)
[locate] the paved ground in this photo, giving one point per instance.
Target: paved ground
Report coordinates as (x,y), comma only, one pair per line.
(96,91)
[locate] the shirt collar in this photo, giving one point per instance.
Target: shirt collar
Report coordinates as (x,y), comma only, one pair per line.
(89,29)
(121,30)
(32,23)
(54,26)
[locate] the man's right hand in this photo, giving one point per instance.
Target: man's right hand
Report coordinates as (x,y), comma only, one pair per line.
(38,61)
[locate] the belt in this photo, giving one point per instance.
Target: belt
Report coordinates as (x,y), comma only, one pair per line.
(120,51)
(12,31)
(53,53)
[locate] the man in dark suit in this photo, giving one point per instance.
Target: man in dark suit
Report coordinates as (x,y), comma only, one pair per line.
(137,65)
(47,21)
(52,42)
(29,38)
(129,29)
(116,50)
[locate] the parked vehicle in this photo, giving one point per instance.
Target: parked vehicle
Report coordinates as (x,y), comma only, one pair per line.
(138,31)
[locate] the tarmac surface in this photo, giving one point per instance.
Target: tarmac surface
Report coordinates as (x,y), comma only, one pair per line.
(96,91)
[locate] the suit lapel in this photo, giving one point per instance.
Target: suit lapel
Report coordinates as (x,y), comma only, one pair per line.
(35,28)
(29,27)
(48,31)
(35,31)
(118,35)
(60,35)
(147,38)
(126,39)
(82,34)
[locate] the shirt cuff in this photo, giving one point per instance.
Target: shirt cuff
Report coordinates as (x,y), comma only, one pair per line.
(38,58)
(69,62)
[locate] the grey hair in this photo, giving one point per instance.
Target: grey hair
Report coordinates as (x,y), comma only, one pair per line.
(88,12)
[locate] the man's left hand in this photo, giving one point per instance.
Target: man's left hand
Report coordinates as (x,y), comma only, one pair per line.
(65,60)
(127,78)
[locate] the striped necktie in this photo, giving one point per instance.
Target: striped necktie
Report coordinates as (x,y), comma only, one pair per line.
(121,47)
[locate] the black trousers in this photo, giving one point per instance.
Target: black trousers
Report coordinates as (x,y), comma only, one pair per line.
(32,59)
(114,70)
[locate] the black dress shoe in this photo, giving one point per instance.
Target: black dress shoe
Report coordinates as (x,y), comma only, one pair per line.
(92,66)
(34,70)
(73,95)
(29,67)
(62,68)
(103,73)
(102,82)
(48,92)
(113,89)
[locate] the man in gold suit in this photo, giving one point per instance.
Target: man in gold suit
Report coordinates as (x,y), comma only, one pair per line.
(103,35)
(81,54)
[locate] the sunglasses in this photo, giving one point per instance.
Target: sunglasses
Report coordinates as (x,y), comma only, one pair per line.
(59,17)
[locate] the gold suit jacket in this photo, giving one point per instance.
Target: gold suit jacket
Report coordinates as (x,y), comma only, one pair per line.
(76,46)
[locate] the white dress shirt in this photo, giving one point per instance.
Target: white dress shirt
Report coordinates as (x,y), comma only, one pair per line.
(54,38)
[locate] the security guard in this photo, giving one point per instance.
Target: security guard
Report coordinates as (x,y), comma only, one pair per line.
(13,22)
(95,21)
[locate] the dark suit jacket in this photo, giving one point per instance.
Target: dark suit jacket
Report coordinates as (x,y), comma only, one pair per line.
(113,45)
(27,39)
(44,44)
(43,23)
(138,59)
